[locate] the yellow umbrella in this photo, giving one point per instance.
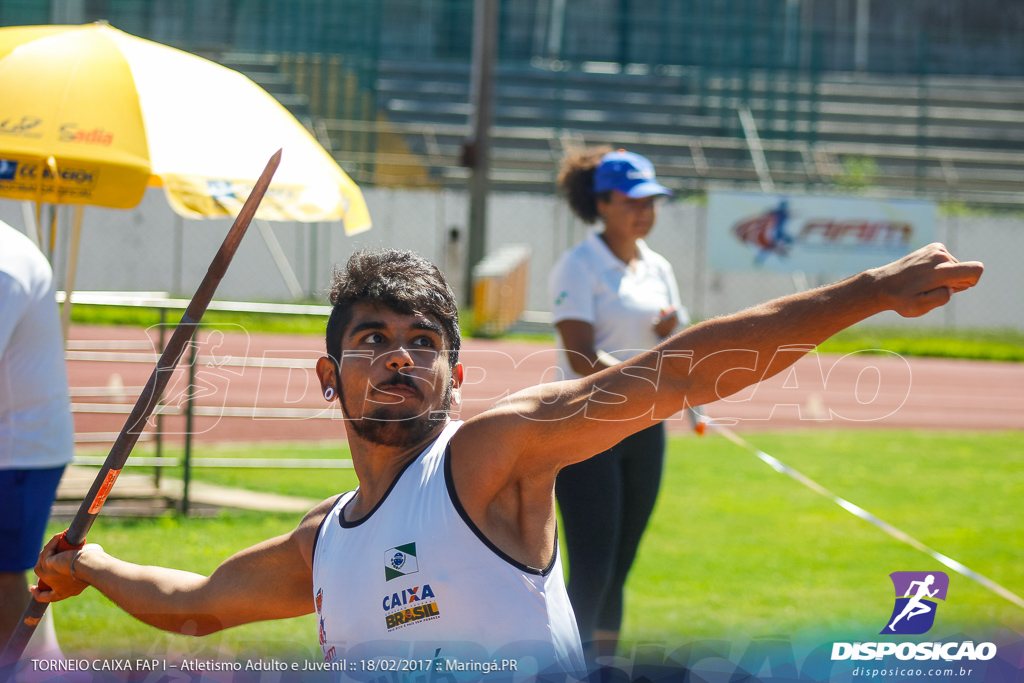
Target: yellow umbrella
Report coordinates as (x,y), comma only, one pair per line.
(92,115)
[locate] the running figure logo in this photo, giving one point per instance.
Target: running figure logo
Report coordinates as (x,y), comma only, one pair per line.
(914,612)
(767,233)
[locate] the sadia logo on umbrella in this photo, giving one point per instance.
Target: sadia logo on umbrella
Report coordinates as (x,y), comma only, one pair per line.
(93,115)
(916,595)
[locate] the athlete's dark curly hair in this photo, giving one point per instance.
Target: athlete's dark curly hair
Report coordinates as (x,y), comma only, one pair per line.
(576,181)
(400,280)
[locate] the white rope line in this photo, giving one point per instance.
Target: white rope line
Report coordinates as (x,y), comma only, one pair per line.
(860,512)
(325,413)
(202,362)
(255,463)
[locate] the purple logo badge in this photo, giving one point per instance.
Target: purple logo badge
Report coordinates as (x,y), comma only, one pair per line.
(916,593)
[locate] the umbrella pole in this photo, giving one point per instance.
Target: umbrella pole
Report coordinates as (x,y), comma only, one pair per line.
(39,229)
(31,224)
(53,230)
(69,281)
(74,535)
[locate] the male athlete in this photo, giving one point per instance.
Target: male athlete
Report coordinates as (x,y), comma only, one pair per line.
(447,549)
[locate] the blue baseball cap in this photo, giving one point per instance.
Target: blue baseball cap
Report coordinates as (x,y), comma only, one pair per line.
(629,173)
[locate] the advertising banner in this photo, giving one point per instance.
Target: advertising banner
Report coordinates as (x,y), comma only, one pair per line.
(813,234)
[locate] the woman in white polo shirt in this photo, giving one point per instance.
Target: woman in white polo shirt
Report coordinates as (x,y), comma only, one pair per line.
(612,298)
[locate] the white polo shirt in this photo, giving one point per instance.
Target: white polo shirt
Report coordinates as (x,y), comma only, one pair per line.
(36,428)
(590,283)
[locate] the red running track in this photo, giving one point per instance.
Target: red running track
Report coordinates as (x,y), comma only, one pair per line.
(820,391)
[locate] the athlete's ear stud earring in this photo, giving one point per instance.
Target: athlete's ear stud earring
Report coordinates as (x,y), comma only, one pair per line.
(329,394)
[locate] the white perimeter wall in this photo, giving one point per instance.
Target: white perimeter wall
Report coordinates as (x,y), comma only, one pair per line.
(149,248)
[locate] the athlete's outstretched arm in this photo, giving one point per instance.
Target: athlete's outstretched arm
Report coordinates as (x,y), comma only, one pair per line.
(537,431)
(270,580)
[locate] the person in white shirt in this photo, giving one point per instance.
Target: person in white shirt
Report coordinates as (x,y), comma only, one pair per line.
(612,298)
(36,428)
(486,487)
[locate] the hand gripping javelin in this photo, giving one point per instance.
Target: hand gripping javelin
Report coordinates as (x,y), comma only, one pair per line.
(74,535)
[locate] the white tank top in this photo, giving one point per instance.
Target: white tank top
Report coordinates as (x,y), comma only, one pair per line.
(415,582)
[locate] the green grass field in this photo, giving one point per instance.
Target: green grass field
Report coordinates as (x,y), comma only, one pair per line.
(998,345)
(735,550)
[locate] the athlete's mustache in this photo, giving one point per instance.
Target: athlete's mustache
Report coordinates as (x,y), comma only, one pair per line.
(400,380)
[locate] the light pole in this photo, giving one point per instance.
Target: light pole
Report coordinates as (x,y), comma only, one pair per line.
(477,150)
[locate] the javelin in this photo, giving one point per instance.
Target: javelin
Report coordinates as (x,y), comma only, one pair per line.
(74,536)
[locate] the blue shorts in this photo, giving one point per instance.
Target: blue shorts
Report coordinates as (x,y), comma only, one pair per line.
(26,497)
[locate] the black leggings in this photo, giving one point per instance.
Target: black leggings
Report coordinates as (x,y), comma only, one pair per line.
(605,503)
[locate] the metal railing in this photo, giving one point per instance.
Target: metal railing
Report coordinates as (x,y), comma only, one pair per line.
(692,163)
(145,353)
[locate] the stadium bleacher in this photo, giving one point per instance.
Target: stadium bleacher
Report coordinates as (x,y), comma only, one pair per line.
(927,102)
(954,138)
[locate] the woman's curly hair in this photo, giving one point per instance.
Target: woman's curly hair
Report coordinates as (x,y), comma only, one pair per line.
(576,181)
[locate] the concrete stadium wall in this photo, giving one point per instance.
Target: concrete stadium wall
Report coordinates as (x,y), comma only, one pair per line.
(149,248)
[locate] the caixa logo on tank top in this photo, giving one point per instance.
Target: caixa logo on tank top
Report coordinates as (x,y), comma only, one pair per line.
(411,604)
